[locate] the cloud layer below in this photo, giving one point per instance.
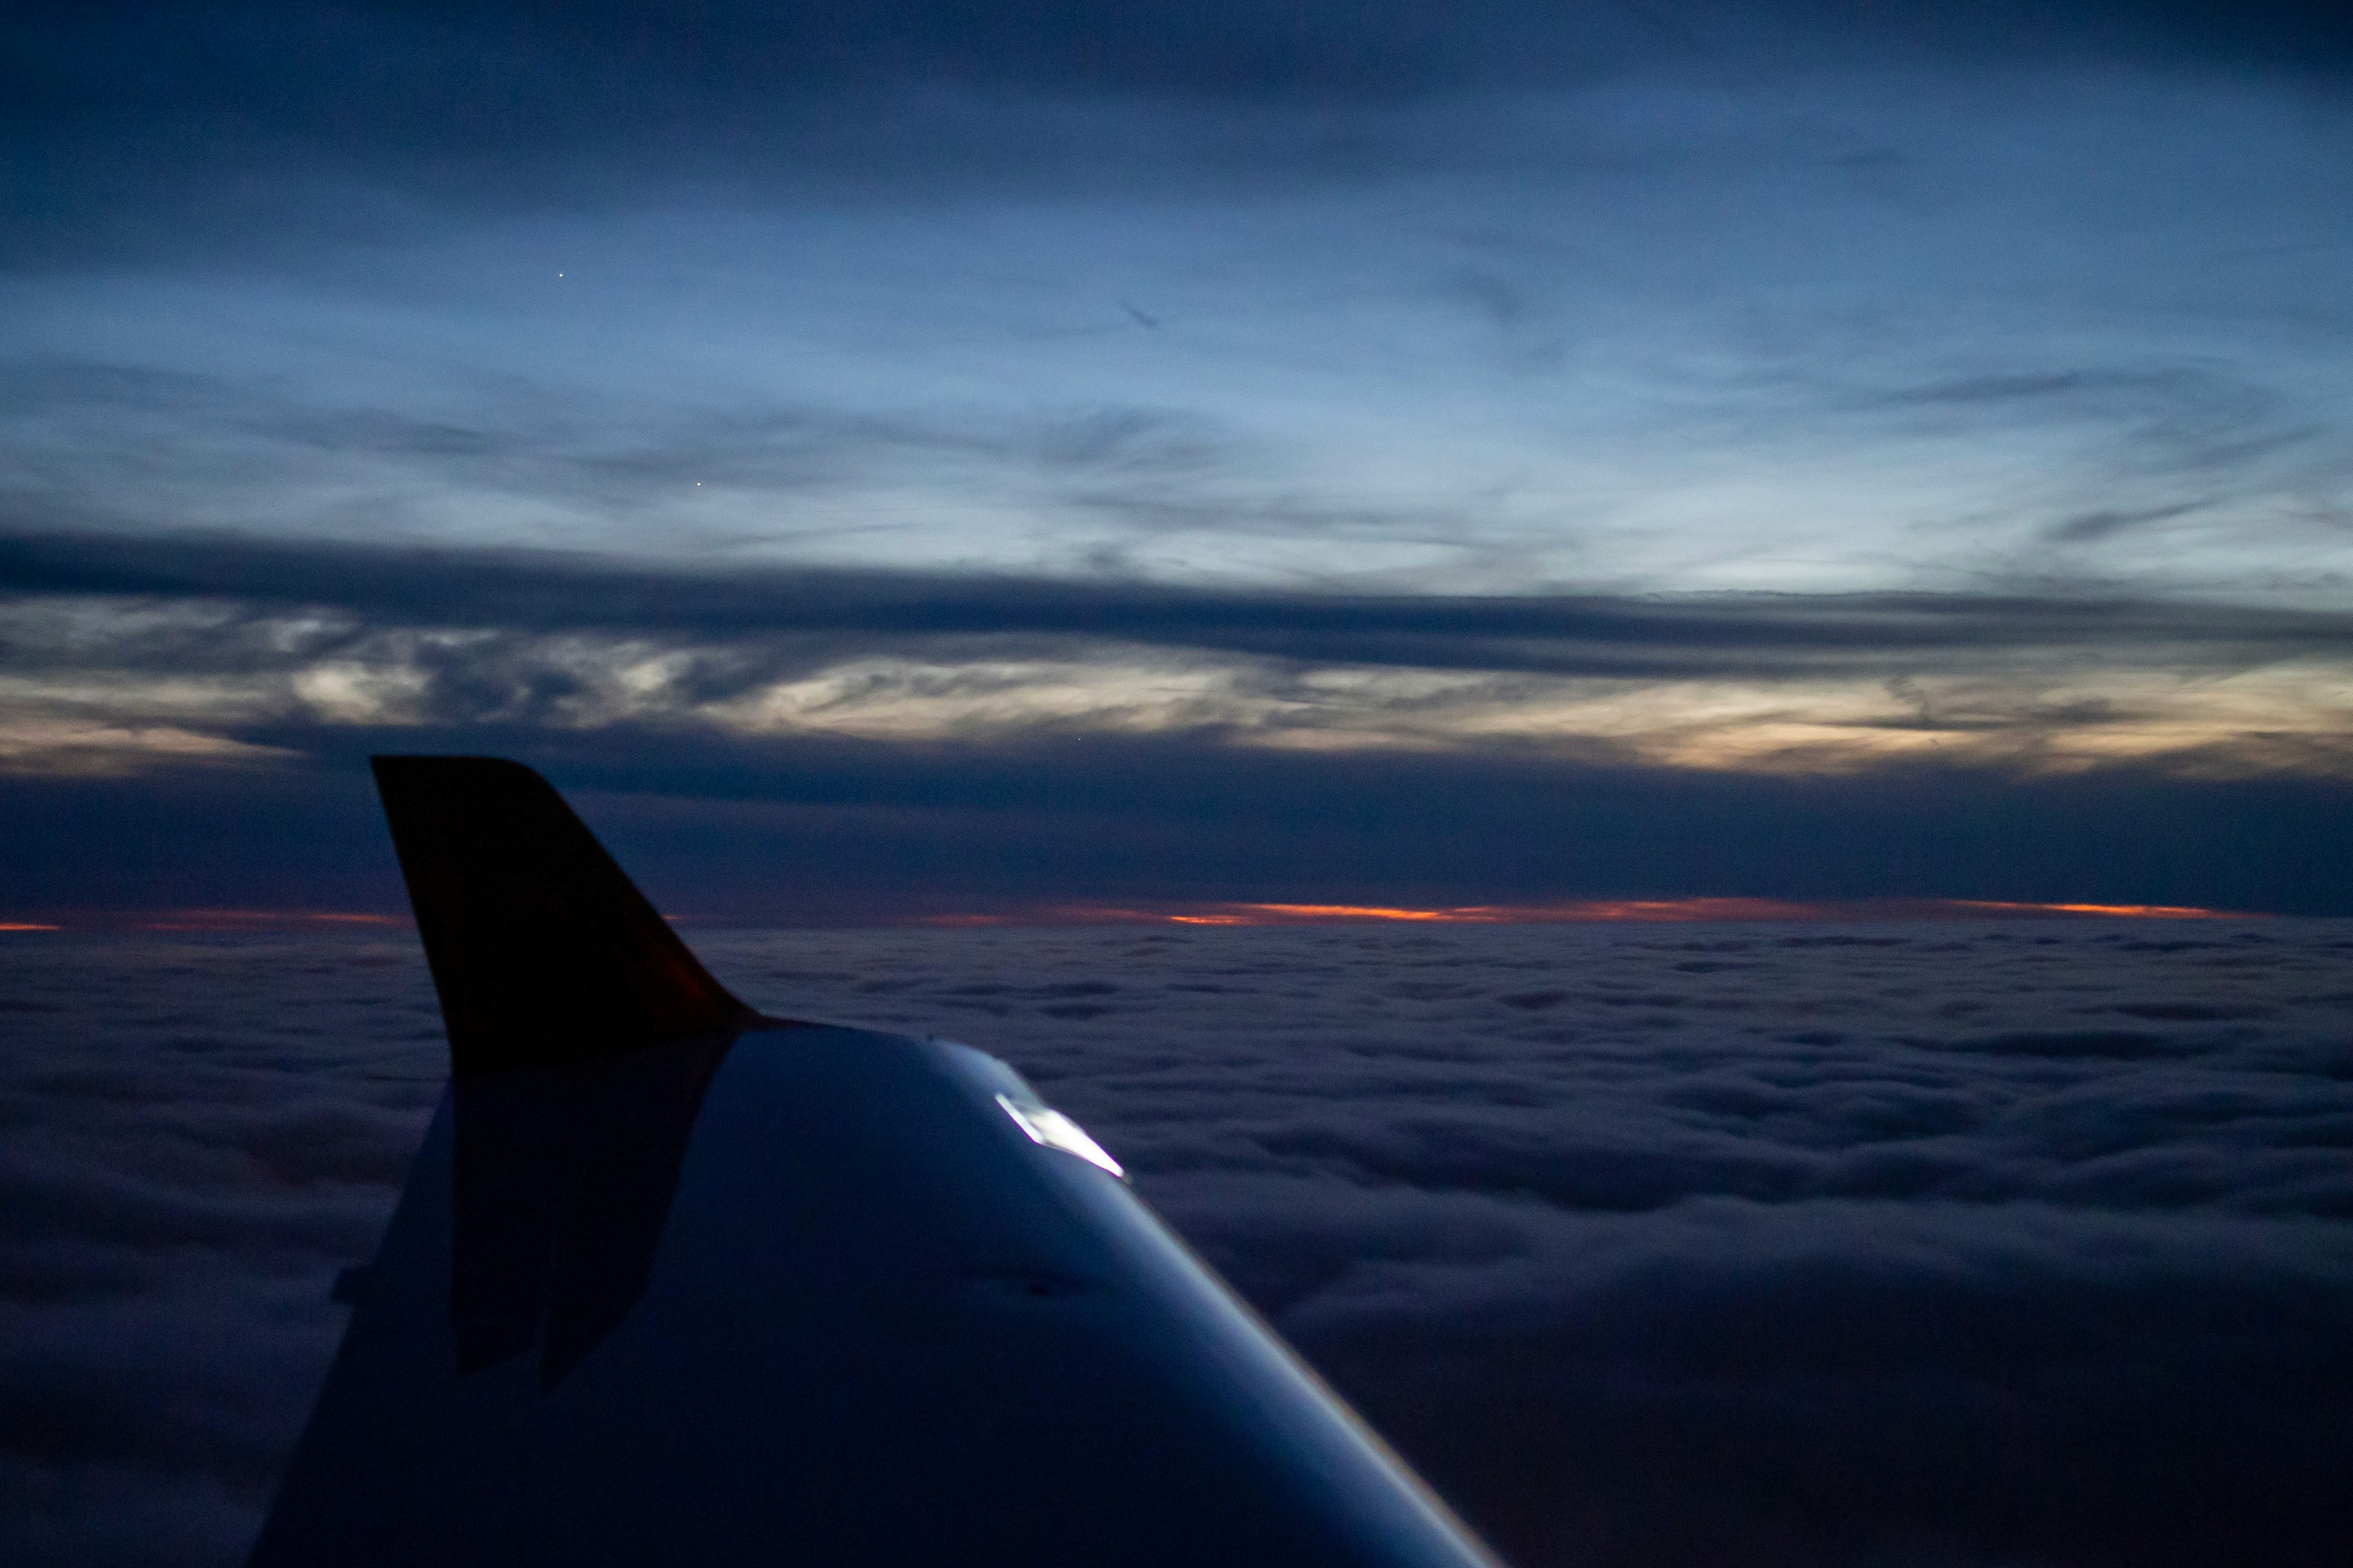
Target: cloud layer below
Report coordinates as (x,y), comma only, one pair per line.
(1823,1245)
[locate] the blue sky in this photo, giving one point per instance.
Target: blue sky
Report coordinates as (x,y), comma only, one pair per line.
(1772,318)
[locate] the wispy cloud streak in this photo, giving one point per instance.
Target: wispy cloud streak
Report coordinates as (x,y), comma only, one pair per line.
(186,646)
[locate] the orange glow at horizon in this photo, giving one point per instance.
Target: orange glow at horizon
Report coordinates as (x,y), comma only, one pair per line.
(1566,912)
(1354,912)
(1571,910)
(248,919)
(1574,912)
(2129,912)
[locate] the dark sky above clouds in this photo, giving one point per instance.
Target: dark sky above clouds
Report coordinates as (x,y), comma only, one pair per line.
(1220,451)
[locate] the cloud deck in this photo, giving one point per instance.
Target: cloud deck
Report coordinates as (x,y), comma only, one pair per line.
(1972,1243)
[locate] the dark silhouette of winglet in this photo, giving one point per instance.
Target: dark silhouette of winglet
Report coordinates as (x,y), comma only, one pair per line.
(543,950)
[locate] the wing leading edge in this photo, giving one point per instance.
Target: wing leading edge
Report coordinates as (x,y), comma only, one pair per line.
(754,1291)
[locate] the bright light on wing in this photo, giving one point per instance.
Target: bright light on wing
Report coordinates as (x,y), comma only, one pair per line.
(1057,1130)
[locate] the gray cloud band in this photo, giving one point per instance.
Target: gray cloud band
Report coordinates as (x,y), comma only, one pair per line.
(1752,635)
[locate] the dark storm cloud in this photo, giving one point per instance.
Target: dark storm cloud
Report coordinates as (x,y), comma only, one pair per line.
(828,613)
(1817,1245)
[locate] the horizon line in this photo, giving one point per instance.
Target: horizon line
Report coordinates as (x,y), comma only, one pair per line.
(1582,911)
(1230,913)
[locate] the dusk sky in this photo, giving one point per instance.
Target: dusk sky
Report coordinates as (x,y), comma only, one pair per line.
(965,474)
(958,458)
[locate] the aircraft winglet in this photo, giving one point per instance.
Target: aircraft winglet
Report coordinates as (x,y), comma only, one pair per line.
(798,1294)
(542,949)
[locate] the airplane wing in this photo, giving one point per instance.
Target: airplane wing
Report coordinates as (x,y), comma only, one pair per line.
(676,1283)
